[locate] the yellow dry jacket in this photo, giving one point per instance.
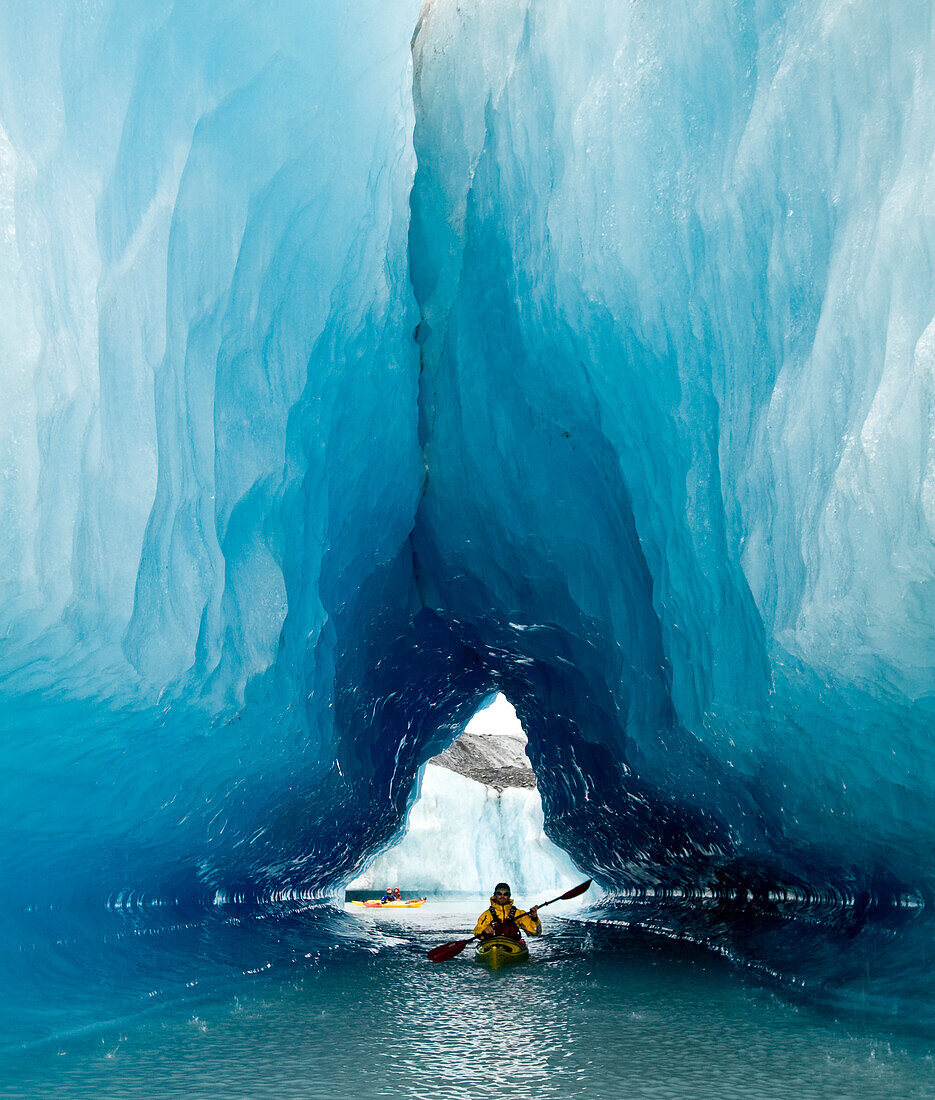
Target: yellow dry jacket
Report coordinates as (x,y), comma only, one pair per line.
(522,919)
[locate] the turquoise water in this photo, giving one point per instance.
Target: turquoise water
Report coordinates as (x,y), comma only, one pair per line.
(597,1013)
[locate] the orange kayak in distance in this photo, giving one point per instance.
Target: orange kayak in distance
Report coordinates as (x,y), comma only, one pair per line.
(391,904)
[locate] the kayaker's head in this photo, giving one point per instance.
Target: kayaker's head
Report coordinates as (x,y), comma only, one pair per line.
(501,893)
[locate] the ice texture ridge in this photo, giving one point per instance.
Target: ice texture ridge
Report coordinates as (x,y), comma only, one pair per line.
(359,364)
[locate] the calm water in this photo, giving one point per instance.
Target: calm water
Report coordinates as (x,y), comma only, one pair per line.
(597,1013)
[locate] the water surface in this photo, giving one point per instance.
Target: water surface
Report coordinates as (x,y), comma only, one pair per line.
(597,1013)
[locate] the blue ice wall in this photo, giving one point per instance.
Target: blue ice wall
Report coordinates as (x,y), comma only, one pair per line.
(676,278)
(210,437)
(580,351)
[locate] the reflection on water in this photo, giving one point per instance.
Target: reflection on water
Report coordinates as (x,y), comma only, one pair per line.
(597,1012)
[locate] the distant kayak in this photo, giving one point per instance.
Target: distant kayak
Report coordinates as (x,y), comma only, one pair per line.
(497,951)
(391,904)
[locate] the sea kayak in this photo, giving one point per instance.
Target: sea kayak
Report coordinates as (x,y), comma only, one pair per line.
(391,904)
(497,951)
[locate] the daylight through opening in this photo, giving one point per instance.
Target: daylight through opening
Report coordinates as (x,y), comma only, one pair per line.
(477,818)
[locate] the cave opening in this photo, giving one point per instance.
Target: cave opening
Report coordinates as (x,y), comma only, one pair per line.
(476,818)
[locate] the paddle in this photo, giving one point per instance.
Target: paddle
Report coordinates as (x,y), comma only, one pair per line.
(446,951)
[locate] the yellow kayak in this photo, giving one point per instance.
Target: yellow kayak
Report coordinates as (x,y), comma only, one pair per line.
(391,904)
(497,951)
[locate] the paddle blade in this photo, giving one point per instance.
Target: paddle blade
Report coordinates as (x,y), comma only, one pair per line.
(574,892)
(447,950)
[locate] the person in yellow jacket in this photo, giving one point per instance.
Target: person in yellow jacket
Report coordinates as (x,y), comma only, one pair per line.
(504,919)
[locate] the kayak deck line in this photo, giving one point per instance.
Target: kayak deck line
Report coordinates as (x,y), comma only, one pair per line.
(497,951)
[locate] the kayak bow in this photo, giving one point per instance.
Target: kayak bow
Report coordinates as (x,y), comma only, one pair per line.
(497,951)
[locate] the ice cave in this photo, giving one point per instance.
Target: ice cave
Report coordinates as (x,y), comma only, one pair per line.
(361,363)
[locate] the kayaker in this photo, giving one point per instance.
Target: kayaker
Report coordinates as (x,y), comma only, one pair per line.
(396,894)
(387,895)
(504,919)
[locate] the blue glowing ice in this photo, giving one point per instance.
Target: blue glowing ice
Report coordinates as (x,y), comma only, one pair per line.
(347,383)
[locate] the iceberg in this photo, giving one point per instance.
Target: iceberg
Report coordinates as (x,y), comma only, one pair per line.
(359,365)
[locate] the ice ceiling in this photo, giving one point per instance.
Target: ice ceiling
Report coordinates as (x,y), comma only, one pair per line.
(583,352)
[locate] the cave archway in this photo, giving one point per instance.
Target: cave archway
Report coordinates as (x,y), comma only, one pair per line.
(476,818)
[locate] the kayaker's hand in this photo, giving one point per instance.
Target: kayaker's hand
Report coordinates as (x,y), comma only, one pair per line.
(534,912)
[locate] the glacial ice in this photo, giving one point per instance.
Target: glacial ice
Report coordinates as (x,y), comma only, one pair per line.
(583,352)
(461,837)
